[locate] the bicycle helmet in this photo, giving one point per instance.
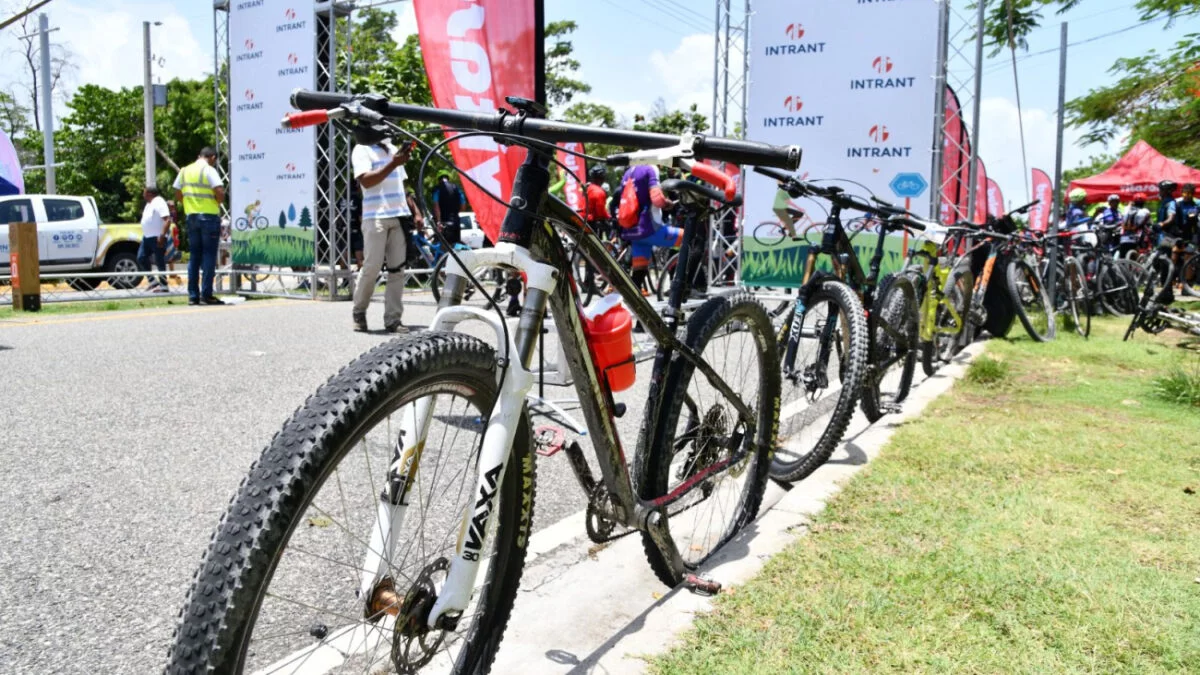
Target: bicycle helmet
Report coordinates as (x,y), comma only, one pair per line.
(1113,198)
(597,172)
(1078,195)
(1139,199)
(1167,187)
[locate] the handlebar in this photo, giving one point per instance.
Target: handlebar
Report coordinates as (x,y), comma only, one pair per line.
(798,188)
(1023,209)
(551,131)
(680,185)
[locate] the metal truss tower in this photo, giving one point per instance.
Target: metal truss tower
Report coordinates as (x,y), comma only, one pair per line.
(960,58)
(731,69)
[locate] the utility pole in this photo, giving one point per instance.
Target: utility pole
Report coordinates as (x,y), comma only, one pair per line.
(47,103)
(148,109)
(1051,269)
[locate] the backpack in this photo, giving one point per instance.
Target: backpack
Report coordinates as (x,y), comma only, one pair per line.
(630,211)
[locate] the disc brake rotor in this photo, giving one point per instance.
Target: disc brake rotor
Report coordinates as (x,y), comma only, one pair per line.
(414,643)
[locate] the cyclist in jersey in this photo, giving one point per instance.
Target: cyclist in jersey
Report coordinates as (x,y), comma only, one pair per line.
(595,206)
(649,230)
(1135,226)
(1189,214)
(1076,216)
(1166,221)
(448,200)
(1111,214)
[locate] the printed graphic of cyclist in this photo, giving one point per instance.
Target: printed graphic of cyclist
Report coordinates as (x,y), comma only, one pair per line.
(785,212)
(252,210)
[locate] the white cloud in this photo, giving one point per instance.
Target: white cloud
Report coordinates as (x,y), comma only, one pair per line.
(406,23)
(1000,145)
(686,73)
(106,43)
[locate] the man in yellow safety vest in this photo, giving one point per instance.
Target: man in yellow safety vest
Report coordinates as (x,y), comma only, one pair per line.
(198,187)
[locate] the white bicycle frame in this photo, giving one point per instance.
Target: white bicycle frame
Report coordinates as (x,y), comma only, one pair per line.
(455,594)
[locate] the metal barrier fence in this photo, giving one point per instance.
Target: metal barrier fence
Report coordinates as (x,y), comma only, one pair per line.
(251,281)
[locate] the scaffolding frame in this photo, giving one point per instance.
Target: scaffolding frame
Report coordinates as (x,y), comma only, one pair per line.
(731,36)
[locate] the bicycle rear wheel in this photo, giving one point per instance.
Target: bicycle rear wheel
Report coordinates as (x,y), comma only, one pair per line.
(822,378)
(1115,290)
(1031,300)
(280,583)
(733,334)
(892,328)
(1189,276)
(949,320)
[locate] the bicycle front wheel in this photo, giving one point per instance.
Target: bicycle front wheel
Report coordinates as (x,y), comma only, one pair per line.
(949,320)
(1031,301)
(279,588)
(1076,305)
(734,335)
(824,363)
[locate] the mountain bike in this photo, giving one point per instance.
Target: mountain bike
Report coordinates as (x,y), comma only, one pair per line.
(825,341)
(1029,297)
(943,291)
(1155,312)
(243,224)
(386,525)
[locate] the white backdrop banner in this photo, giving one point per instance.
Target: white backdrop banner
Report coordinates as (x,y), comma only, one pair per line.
(852,83)
(272,170)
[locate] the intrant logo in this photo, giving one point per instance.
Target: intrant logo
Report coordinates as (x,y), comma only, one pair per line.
(879,133)
(794,31)
(249,94)
(293,59)
(289,167)
(251,145)
(249,44)
(882,64)
(793,104)
(289,14)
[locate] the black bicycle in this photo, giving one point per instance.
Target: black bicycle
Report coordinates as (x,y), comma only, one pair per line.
(386,524)
(833,351)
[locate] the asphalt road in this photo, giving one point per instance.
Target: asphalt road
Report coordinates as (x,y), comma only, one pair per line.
(125,436)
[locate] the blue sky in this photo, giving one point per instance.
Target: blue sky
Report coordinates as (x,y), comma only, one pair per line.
(634,51)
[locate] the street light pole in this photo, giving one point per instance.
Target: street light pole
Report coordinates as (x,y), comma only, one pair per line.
(47,104)
(148,110)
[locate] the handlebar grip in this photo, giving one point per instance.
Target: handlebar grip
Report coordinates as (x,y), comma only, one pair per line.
(717,178)
(302,99)
(749,152)
(305,119)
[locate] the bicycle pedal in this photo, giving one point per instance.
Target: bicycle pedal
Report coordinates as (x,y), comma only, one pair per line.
(701,585)
(548,440)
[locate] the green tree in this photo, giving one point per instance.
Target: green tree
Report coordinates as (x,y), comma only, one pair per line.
(1009,22)
(1154,99)
(561,65)
(282,220)
(676,122)
(305,219)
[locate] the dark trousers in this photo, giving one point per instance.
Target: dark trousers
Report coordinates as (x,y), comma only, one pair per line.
(149,248)
(204,235)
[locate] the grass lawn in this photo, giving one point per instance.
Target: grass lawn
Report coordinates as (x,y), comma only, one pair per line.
(1042,518)
(93,306)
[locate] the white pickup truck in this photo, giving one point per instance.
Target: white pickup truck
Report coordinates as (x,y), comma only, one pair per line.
(71,238)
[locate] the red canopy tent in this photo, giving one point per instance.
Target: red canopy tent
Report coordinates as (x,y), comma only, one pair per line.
(1139,170)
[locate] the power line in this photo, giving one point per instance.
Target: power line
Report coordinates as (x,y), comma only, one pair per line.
(684,20)
(645,18)
(1074,44)
(688,11)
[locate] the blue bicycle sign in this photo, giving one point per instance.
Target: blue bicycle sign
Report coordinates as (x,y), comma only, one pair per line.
(908,185)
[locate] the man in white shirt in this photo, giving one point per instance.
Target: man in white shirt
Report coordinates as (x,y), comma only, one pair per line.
(156,223)
(379,169)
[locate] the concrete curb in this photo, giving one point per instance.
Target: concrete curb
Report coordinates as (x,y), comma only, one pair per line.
(583,610)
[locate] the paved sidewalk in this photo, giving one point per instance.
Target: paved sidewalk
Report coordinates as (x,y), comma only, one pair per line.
(581,611)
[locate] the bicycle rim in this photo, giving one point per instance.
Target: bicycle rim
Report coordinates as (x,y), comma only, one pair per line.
(893,334)
(1031,301)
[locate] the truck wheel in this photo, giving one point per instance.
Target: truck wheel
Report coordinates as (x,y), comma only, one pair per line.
(124,265)
(84,284)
